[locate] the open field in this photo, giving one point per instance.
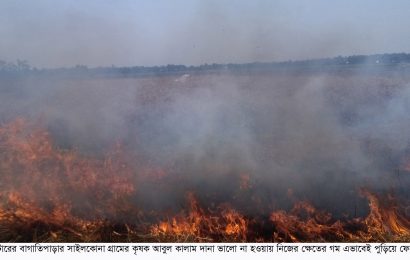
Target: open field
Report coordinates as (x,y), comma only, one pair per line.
(258,156)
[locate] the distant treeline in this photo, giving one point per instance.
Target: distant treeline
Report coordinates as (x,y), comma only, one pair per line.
(22,67)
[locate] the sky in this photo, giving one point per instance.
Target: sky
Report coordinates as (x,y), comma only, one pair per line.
(64,33)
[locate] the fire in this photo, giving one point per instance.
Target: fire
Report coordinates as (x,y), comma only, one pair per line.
(386,218)
(43,184)
(50,194)
(382,223)
(200,226)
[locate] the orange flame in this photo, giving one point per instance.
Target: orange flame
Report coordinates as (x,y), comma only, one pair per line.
(49,194)
(199,226)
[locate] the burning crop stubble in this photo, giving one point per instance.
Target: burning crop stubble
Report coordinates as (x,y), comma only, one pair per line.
(212,157)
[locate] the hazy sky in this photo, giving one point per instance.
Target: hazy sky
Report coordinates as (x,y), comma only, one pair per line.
(51,33)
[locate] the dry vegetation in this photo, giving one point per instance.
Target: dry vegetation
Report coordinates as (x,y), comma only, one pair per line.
(58,184)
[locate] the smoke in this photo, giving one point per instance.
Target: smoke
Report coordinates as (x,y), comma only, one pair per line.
(319,137)
(128,33)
